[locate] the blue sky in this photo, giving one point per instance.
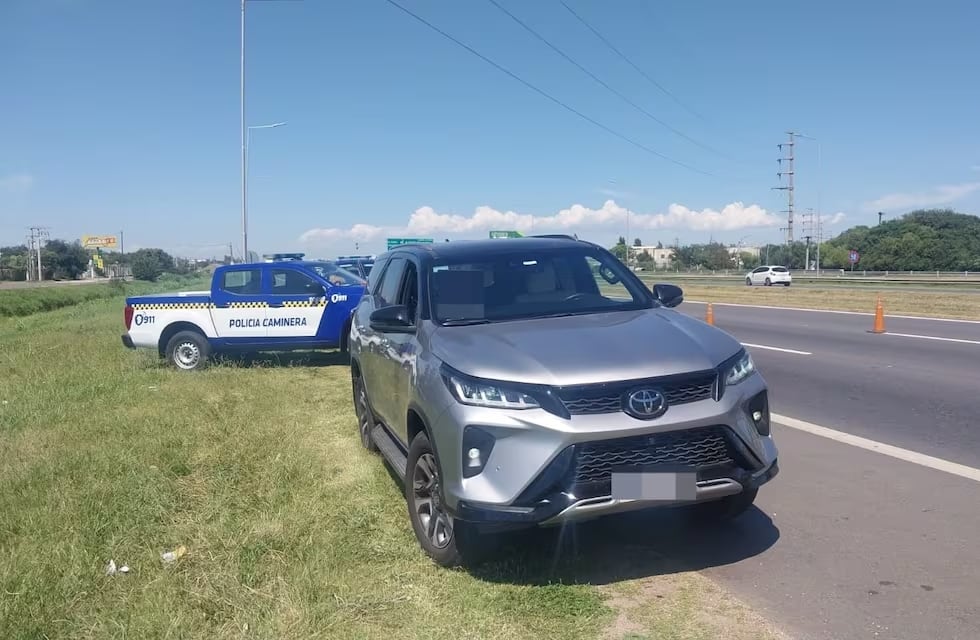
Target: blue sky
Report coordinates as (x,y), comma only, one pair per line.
(125,115)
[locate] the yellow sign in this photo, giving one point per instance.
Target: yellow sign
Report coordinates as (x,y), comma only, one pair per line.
(95,242)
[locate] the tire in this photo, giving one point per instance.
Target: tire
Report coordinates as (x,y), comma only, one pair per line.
(362,408)
(748,282)
(788,283)
(768,282)
(447,541)
(726,509)
(188,351)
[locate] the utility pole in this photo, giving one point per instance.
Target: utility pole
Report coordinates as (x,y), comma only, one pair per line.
(808,233)
(35,240)
(789,173)
(122,245)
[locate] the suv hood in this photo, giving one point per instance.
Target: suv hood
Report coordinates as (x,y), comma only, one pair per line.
(601,347)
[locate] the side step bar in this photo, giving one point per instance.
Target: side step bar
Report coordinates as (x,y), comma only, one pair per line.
(390,450)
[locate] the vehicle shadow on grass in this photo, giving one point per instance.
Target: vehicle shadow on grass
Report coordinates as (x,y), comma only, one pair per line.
(285,359)
(626,547)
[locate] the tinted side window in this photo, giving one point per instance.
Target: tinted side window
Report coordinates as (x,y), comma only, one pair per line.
(374,278)
(409,295)
(391,282)
(287,282)
(242,282)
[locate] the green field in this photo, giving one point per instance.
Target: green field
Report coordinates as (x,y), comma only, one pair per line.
(292,530)
(24,301)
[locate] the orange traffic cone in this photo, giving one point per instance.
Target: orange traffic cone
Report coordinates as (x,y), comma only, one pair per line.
(879,317)
(709,315)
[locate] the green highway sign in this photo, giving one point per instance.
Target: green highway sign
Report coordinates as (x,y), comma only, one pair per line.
(505,234)
(394,242)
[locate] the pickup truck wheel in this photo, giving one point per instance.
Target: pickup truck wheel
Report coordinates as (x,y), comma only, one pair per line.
(365,417)
(188,350)
(448,541)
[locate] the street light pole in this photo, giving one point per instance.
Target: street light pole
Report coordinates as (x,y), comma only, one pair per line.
(244,147)
(248,142)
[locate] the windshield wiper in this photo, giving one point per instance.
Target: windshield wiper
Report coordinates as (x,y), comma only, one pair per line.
(464,322)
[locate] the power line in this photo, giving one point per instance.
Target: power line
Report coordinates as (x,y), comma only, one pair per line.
(545,94)
(622,55)
(600,81)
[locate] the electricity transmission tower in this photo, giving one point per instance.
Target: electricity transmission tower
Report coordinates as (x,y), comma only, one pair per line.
(788,171)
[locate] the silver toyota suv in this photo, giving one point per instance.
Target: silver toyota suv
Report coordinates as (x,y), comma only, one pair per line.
(537,381)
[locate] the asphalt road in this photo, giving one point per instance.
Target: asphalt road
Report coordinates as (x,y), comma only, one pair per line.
(858,544)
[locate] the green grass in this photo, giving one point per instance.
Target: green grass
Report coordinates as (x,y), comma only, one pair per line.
(292,530)
(940,304)
(20,302)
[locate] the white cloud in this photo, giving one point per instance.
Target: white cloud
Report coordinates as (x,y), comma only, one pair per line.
(943,194)
(16,182)
(425,221)
(837,218)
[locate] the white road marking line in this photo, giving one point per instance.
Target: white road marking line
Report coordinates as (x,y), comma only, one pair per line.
(912,335)
(762,346)
(914,457)
(847,313)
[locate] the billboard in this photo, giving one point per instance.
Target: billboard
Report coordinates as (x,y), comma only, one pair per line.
(99,242)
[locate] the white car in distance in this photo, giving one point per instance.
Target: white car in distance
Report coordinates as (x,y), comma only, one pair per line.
(769,275)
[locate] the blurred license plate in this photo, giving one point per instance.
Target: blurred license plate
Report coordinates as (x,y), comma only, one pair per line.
(647,485)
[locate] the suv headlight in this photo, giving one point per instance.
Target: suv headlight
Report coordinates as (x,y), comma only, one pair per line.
(481,393)
(739,370)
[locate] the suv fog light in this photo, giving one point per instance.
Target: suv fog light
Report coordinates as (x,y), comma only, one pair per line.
(477,445)
(758,409)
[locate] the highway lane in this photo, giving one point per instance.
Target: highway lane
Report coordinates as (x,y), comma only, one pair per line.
(866,545)
(913,393)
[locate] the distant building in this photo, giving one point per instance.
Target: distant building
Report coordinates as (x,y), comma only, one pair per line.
(662,257)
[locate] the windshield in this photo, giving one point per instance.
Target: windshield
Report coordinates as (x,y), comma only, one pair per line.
(334,274)
(532,284)
(779,269)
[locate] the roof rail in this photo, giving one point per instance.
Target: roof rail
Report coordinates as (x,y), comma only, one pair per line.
(559,236)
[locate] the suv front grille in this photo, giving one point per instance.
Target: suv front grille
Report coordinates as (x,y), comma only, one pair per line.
(695,448)
(590,399)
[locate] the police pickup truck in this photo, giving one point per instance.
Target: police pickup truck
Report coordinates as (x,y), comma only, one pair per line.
(285,303)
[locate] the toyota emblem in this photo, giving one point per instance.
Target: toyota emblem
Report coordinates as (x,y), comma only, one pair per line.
(645,404)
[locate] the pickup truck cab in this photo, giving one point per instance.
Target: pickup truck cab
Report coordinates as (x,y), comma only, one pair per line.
(278,305)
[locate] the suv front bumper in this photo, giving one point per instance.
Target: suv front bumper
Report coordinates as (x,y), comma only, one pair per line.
(546,470)
(563,508)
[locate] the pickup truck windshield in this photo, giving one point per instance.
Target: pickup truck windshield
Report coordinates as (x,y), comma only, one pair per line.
(532,284)
(336,275)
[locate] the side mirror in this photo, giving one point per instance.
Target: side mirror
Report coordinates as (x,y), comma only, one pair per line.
(392,319)
(669,295)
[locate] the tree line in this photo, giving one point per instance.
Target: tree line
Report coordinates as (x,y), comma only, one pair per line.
(925,240)
(64,260)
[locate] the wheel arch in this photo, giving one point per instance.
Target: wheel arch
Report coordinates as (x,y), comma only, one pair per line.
(173,329)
